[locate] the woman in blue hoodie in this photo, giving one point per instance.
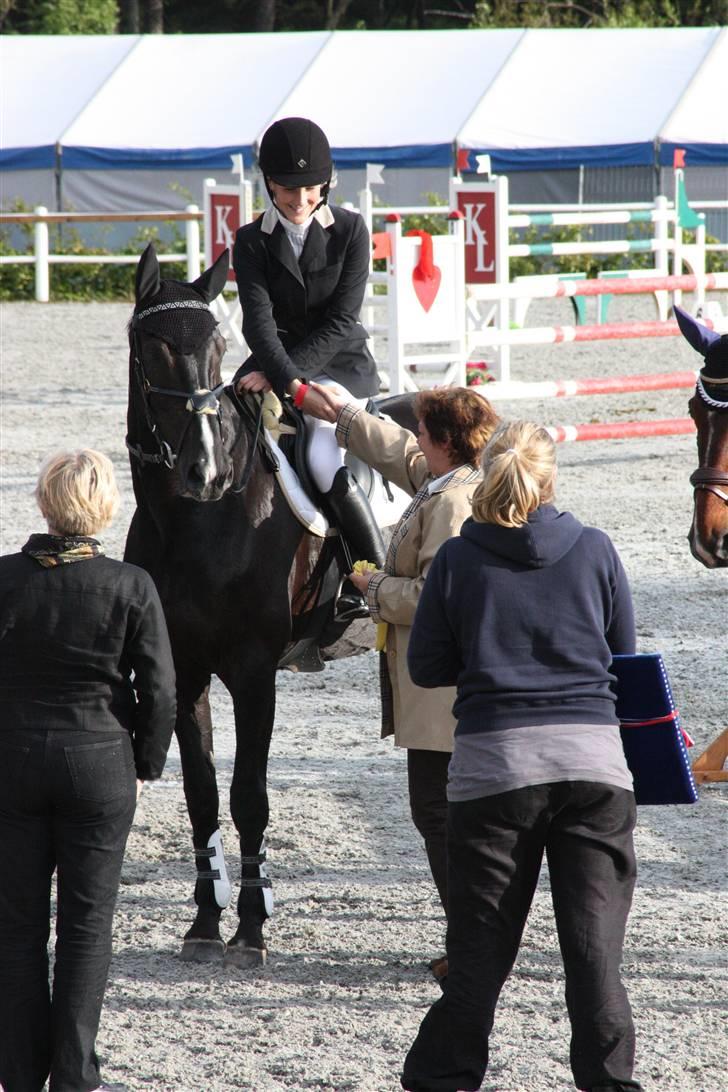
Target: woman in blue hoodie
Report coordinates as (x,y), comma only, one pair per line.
(523,613)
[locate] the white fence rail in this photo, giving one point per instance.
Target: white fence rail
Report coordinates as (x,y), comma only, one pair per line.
(43,258)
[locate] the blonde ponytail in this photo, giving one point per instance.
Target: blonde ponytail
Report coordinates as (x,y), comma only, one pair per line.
(518,464)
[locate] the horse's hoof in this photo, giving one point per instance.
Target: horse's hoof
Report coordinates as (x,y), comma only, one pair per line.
(240,955)
(202,950)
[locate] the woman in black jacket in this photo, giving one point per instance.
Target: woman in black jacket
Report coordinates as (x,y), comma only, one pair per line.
(523,613)
(87,708)
(302,271)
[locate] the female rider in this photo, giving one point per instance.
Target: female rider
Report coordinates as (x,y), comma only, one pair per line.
(302,270)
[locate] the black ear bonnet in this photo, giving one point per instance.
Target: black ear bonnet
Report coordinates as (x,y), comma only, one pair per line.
(178,315)
(716,360)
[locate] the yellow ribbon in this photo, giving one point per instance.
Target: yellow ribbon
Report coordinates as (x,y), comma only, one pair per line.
(380,642)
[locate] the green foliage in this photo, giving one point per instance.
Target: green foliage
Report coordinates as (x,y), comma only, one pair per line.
(61,17)
(436,225)
(596,13)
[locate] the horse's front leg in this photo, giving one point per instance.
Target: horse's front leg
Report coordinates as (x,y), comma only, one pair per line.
(202,942)
(253,690)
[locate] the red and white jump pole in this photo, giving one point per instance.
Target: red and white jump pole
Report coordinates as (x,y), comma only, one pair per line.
(622,430)
(545,287)
(567,388)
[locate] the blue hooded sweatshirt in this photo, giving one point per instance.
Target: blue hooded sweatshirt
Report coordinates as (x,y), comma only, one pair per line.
(524,621)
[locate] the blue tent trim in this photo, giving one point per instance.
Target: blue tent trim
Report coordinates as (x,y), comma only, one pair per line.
(28,159)
(503,160)
(696,155)
(152,159)
(401,155)
(96,159)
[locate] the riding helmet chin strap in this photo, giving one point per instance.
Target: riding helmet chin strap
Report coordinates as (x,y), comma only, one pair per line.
(216,870)
(262,880)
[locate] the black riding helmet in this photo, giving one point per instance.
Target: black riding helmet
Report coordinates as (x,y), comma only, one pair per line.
(295,152)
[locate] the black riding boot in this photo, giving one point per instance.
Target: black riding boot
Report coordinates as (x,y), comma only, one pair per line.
(352,514)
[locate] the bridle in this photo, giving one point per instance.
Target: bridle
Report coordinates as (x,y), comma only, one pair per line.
(200,402)
(711,478)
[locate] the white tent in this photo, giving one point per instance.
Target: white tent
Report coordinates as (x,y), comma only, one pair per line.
(596,98)
(130,123)
(46,82)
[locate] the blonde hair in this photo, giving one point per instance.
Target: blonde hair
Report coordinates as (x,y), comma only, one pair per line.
(519,464)
(77,492)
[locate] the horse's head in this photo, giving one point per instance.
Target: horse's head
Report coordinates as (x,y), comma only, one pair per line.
(708,407)
(175,383)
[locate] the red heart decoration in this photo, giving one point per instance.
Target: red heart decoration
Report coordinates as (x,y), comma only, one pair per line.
(426,288)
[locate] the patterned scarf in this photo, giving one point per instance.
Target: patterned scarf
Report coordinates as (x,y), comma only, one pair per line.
(52,550)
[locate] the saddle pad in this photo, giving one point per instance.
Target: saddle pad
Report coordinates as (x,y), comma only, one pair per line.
(653,740)
(299,502)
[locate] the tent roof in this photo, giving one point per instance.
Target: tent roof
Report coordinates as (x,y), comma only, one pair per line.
(597,97)
(46,83)
(398,97)
(189,100)
(539,99)
(699,122)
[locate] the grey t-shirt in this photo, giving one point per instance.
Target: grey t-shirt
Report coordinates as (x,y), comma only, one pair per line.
(486,763)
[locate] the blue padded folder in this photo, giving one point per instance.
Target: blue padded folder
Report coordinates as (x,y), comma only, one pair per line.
(652,737)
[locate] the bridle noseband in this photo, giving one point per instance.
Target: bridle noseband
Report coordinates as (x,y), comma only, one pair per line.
(201,402)
(710,478)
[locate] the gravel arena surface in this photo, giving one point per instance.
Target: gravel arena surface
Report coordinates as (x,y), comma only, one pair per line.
(356,920)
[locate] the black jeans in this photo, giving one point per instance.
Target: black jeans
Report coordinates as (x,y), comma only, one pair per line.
(496,845)
(67,801)
(427,778)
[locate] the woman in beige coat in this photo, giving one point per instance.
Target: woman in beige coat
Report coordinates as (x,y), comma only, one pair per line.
(438,469)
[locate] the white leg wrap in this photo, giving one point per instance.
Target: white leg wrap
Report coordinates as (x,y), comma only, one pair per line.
(220,886)
(267,891)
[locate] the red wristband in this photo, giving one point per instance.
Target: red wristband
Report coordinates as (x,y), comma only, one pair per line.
(300,395)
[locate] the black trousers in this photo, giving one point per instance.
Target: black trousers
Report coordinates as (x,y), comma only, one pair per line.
(67,802)
(496,845)
(427,778)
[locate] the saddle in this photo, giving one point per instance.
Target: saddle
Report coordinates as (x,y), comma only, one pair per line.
(316,632)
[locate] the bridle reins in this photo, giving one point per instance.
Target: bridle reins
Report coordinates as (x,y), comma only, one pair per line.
(200,402)
(711,478)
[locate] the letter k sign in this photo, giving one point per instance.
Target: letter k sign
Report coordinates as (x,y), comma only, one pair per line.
(222,232)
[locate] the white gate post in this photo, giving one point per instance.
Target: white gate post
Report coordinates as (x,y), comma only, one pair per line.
(42,268)
(192,244)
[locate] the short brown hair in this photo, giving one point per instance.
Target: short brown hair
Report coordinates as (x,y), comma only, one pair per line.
(457,418)
(518,463)
(77,492)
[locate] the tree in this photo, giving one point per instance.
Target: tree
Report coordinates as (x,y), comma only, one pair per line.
(155,16)
(60,17)
(129,17)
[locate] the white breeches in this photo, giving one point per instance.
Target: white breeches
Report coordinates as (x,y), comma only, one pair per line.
(325,456)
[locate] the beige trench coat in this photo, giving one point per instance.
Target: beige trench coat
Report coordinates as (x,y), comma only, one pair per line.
(422,718)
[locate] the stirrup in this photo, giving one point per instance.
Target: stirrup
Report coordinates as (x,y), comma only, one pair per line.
(350,607)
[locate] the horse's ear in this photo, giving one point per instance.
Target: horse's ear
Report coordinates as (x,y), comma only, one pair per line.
(147,275)
(212,281)
(699,336)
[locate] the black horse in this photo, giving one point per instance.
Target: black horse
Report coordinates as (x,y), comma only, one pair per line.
(229,574)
